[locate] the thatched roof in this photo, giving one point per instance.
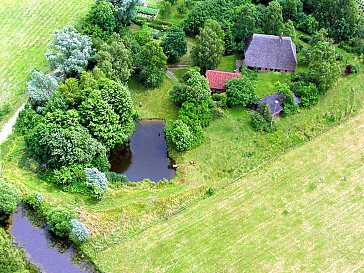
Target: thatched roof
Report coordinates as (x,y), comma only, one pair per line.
(269,51)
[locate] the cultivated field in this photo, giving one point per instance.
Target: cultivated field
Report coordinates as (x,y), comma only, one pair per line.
(25,30)
(300,213)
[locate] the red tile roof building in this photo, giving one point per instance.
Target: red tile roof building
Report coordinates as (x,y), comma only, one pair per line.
(217,80)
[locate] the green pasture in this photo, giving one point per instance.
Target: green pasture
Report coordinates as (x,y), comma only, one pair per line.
(25,30)
(301,212)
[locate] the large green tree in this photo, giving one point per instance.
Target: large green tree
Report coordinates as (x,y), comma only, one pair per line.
(193,88)
(102,14)
(174,44)
(101,120)
(209,46)
(323,67)
(272,18)
(241,91)
(245,21)
(151,64)
(115,59)
(340,17)
(291,9)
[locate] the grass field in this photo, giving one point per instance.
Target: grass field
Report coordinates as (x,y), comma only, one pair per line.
(300,213)
(25,30)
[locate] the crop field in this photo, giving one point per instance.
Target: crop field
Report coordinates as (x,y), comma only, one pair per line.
(300,213)
(25,30)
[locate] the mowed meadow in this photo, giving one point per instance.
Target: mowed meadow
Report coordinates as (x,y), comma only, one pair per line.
(25,30)
(299,213)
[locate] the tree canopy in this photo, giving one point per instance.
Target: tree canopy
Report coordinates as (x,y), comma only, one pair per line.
(174,44)
(69,51)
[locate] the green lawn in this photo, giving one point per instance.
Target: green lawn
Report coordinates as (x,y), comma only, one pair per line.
(266,80)
(25,30)
(227,63)
(300,213)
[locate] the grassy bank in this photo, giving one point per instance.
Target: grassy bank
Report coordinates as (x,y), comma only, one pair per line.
(26,28)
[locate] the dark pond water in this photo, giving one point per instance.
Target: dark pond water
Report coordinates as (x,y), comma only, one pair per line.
(37,243)
(146,155)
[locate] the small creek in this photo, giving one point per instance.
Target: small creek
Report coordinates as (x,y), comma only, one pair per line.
(42,252)
(146,154)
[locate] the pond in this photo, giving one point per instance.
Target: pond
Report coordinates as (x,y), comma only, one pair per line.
(37,242)
(146,154)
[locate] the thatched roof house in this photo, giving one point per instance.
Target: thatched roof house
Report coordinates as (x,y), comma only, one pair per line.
(270,53)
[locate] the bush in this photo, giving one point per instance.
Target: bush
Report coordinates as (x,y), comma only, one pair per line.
(193,112)
(179,135)
(262,119)
(194,88)
(96,181)
(308,93)
(9,198)
(217,113)
(28,119)
(34,201)
(220,100)
(69,175)
(241,91)
(59,221)
(116,179)
(79,232)
(4,109)
(289,105)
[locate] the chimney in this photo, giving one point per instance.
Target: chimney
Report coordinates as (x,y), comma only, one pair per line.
(281,38)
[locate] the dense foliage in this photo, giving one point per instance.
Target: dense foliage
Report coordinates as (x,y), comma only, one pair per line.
(9,198)
(59,221)
(174,44)
(193,113)
(289,105)
(262,119)
(79,232)
(209,46)
(70,51)
(241,91)
(102,15)
(151,64)
(193,88)
(39,88)
(125,10)
(115,59)
(96,181)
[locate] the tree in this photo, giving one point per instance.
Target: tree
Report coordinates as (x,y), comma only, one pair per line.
(101,120)
(183,137)
(165,8)
(151,63)
(323,68)
(40,87)
(174,44)
(289,106)
(340,17)
(194,88)
(79,232)
(195,112)
(291,9)
(119,98)
(245,21)
(59,221)
(125,10)
(209,46)
(114,59)
(71,91)
(272,18)
(70,51)
(97,181)
(56,146)
(102,14)
(9,198)
(241,91)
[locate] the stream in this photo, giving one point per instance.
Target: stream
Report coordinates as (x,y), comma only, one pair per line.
(41,249)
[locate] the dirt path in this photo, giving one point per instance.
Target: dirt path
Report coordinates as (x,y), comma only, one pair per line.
(8,127)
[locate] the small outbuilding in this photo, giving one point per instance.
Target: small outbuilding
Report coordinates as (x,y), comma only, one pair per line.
(218,79)
(275,103)
(270,53)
